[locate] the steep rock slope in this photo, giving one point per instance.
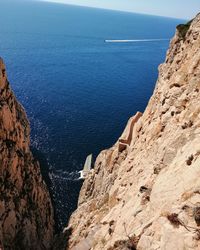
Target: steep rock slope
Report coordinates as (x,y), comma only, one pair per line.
(26,213)
(144,192)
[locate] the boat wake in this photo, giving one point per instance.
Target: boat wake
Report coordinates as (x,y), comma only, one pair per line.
(64,175)
(135,40)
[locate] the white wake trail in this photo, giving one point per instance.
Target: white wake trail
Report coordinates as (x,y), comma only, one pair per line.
(64,175)
(135,40)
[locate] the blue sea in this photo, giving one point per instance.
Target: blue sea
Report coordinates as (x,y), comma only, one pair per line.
(78,90)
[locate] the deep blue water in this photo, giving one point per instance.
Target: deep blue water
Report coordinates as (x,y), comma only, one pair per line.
(78,91)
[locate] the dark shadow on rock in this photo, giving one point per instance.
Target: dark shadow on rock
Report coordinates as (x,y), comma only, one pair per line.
(61,240)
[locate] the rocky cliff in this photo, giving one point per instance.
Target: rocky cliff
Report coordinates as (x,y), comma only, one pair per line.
(144,192)
(26,214)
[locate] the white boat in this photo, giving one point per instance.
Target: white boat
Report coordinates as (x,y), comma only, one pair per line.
(87,167)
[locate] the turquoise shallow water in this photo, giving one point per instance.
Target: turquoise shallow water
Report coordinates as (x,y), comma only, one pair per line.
(78,91)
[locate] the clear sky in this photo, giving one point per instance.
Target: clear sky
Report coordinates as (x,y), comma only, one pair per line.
(185,9)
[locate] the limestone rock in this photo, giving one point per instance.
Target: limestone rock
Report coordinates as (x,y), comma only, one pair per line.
(145,194)
(26,213)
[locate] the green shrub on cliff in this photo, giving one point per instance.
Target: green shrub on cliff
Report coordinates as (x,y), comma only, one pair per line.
(183,29)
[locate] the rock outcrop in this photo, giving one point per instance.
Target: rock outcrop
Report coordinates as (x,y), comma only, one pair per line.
(26,213)
(144,192)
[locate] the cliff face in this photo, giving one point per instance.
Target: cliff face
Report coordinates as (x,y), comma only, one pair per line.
(26,214)
(144,192)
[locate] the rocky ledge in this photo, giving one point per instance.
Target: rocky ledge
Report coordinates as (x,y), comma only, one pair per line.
(144,192)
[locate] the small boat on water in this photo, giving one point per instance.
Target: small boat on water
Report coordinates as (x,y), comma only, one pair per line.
(87,168)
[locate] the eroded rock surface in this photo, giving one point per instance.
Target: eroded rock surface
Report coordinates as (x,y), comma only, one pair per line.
(146,195)
(26,213)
